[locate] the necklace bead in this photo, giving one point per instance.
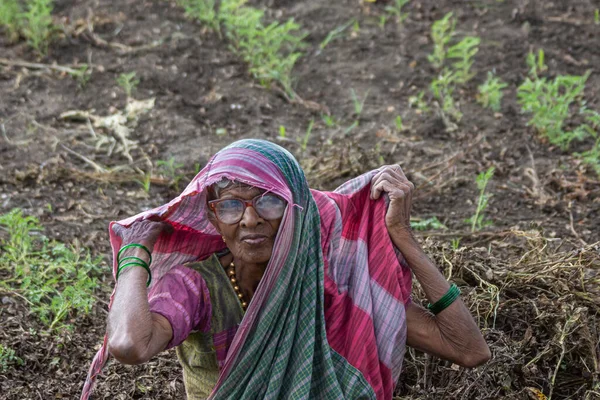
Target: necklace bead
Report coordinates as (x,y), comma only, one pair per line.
(236,288)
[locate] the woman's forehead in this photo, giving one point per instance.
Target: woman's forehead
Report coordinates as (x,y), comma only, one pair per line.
(240,190)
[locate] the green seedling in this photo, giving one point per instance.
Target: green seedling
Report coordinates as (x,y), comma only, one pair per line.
(455,244)
(396,10)
(82,74)
(597,16)
(382,21)
(358,104)
(356,27)
(128,82)
(57,281)
(443,89)
(490,92)
(329,120)
(549,103)
(478,220)
(442,32)
(380,157)
(146,182)
(281,131)
(463,52)
(537,64)
(418,102)
(169,169)
(8,358)
(10,12)
(399,124)
(202,10)
(427,224)
(36,24)
(335,34)
(304,143)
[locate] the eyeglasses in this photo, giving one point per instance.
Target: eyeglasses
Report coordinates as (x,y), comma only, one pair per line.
(231,211)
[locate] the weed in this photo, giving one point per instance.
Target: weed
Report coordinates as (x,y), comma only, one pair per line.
(380,157)
(358,104)
(478,220)
(399,124)
(597,16)
(128,82)
(396,10)
(455,244)
(306,138)
(536,64)
(427,224)
(146,182)
(8,357)
(490,92)
(329,121)
(549,102)
(443,90)
(463,52)
(418,102)
(10,12)
(335,33)
(36,24)
(82,75)
(281,131)
(356,27)
(169,169)
(202,10)
(55,280)
(441,33)
(382,21)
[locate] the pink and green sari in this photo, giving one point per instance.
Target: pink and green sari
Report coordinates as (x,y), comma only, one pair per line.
(328,319)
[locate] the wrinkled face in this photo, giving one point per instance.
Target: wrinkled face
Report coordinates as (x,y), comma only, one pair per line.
(251,240)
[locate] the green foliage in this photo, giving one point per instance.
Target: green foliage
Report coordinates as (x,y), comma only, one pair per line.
(56,280)
(202,10)
(549,102)
(463,52)
(329,120)
(418,102)
(442,88)
(281,131)
(359,105)
(455,244)
(306,138)
(399,124)
(396,10)
(269,50)
(478,220)
(427,224)
(536,64)
(10,12)
(441,34)
(146,182)
(490,92)
(128,82)
(335,33)
(8,357)
(36,24)
(170,169)
(597,16)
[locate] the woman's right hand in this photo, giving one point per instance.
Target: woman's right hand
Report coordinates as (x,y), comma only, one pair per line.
(144,232)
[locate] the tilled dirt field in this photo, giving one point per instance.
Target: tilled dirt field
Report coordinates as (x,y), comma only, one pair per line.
(530,277)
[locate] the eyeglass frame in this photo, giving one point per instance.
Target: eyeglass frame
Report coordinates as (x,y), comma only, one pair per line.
(245,203)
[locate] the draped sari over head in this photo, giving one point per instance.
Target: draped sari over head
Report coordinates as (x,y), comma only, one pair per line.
(328,318)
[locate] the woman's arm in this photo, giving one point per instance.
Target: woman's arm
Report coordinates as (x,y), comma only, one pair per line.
(451,334)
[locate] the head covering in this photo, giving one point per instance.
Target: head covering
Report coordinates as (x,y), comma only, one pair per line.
(327,320)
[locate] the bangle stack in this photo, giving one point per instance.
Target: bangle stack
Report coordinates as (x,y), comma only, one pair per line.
(134,261)
(451,295)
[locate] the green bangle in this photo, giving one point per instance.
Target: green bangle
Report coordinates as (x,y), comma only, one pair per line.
(451,295)
(141,246)
(137,259)
(143,265)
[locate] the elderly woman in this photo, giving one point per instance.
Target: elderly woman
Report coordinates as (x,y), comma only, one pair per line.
(269,290)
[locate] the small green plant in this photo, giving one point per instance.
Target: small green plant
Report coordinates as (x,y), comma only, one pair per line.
(304,143)
(597,16)
(359,105)
(146,182)
(536,64)
(549,102)
(128,82)
(478,220)
(169,168)
(10,12)
(8,357)
(463,52)
(329,120)
(427,224)
(490,92)
(57,281)
(281,131)
(399,124)
(36,24)
(202,10)
(455,244)
(396,10)
(442,32)
(443,89)
(418,102)
(335,33)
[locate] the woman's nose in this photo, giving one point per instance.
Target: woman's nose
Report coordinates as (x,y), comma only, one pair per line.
(250,218)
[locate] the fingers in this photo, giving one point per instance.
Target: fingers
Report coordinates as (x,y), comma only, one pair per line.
(396,182)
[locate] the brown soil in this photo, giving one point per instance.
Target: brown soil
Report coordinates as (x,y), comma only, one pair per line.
(201,87)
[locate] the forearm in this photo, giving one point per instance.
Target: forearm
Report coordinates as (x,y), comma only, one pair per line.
(452,333)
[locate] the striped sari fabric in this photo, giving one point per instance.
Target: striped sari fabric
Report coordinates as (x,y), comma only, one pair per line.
(328,318)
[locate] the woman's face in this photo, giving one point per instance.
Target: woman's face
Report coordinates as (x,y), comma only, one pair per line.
(251,240)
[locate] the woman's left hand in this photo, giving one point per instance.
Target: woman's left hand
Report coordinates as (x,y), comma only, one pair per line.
(391,180)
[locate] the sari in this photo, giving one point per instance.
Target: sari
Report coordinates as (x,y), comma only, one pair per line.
(328,318)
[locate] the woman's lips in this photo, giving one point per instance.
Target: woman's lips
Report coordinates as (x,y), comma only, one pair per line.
(254,239)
